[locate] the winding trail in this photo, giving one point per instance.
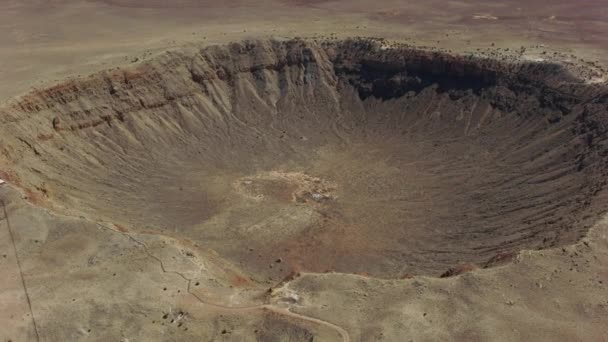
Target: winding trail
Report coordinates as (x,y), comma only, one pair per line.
(238,309)
(27,295)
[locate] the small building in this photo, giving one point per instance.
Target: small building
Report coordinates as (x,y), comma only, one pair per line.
(2,182)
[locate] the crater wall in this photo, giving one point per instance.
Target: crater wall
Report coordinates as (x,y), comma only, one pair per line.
(349,156)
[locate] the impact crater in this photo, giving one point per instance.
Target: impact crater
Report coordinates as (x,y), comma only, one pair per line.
(346,156)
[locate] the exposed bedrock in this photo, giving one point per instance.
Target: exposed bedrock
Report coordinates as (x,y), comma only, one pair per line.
(345,156)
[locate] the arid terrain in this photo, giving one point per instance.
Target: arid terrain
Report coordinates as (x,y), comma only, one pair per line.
(303,171)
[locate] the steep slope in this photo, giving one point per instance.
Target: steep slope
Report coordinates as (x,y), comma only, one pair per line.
(348,156)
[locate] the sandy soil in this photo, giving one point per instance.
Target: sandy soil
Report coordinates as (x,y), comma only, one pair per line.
(220,194)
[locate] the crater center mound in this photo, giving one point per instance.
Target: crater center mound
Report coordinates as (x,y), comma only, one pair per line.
(346,156)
